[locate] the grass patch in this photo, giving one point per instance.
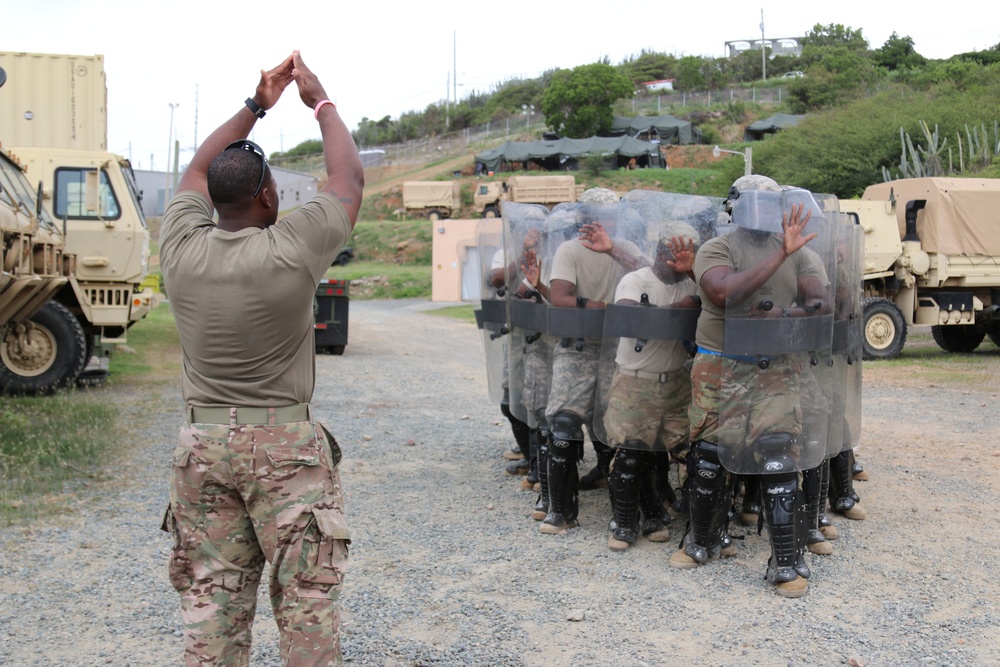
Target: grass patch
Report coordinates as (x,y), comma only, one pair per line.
(380,280)
(464,312)
(393,241)
(156,356)
(49,446)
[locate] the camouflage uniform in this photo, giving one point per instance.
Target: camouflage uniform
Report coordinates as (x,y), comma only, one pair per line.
(650,412)
(242,494)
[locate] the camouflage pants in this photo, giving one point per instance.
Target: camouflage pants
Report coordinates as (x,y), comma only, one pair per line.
(537,375)
(579,378)
(734,402)
(243,494)
(649,412)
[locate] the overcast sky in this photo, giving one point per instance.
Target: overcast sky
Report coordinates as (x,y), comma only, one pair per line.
(385,58)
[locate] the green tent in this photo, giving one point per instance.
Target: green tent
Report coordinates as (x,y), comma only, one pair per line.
(564,154)
(669,130)
(780,121)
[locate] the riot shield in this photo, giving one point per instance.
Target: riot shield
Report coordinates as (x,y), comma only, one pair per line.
(645,405)
(777,336)
(848,329)
(574,328)
(491,316)
(527,358)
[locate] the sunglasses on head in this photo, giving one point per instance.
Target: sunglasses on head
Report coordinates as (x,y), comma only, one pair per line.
(247,145)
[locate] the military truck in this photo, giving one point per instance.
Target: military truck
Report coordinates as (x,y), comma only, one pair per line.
(932,257)
(53,118)
(435,199)
(547,190)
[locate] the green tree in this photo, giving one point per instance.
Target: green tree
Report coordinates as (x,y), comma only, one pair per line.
(578,102)
(898,53)
(648,66)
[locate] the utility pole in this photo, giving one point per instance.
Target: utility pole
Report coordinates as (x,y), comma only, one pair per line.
(763,46)
(170,147)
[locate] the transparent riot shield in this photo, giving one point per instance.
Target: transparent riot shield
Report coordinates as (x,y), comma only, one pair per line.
(777,336)
(848,329)
(574,328)
(528,267)
(491,316)
(650,327)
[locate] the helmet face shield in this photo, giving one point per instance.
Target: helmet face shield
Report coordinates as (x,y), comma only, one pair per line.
(763,210)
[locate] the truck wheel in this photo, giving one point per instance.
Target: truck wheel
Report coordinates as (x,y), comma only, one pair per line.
(994,332)
(885,330)
(47,357)
(960,338)
(434,215)
(491,212)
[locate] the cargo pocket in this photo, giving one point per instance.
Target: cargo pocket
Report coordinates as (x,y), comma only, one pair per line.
(323,559)
(286,455)
(335,454)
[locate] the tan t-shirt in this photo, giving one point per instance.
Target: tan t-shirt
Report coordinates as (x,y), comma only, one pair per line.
(734,251)
(657,356)
(595,274)
(243,301)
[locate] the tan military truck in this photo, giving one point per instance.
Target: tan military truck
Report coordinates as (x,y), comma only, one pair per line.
(435,199)
(53,117)
(932,257)
(548,190)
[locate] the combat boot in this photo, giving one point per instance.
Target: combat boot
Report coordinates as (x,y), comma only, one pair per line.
(843,499)
(597,478)
(562,481)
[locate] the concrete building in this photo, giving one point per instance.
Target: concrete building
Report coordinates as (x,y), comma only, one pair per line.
(294,189)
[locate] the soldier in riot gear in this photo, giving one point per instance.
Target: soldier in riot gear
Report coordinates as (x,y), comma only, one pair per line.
(649,395)
(585,271)
(765,312)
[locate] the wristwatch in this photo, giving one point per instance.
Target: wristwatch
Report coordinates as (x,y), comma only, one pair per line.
(255,108)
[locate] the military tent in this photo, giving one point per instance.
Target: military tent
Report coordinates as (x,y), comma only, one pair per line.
(667,129)
(564,154)
(756,131)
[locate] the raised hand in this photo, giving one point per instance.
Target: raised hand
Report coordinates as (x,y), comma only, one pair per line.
(310,89)
(531,268)
(273,83)
(793,223)
(683,260)
(594,237)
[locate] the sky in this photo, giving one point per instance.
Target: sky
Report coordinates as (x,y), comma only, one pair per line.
(379,59)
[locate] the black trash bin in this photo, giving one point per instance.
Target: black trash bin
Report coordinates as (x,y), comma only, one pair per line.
(330,308)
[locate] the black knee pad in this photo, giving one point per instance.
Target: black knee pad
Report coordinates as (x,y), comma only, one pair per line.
(705,471)
(626,465)
(566,426)
(773,453)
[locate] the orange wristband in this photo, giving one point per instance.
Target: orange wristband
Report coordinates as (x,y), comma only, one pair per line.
(319,105)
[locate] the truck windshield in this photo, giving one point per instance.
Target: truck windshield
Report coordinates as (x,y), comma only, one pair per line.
(71,198)
(16,190)
(133,189)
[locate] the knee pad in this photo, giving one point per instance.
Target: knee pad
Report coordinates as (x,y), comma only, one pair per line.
(705,471)
(773,453)
(626,464)
(566,426)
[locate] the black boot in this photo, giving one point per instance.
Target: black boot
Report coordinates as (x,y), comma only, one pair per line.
(812,486)
(597,478)
(750,510)
(654,517)
(562,480)
(843,499)
(541,508)
(708,497)
(623,483)
(782,502)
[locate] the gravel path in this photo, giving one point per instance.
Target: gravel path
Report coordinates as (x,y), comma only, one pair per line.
(447,568)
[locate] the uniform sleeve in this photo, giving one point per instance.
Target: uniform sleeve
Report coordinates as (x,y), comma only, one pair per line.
(317,231)
(185,213)
(712,254)
(631,287)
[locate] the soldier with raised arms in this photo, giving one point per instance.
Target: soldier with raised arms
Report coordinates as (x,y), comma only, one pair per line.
(766,305)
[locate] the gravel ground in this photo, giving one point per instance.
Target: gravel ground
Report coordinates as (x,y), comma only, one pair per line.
(448,569)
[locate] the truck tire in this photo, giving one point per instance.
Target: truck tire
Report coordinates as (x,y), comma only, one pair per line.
(434,215)
(994,332)
(59,353)
(959,338)
(491,212)
(885,330)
